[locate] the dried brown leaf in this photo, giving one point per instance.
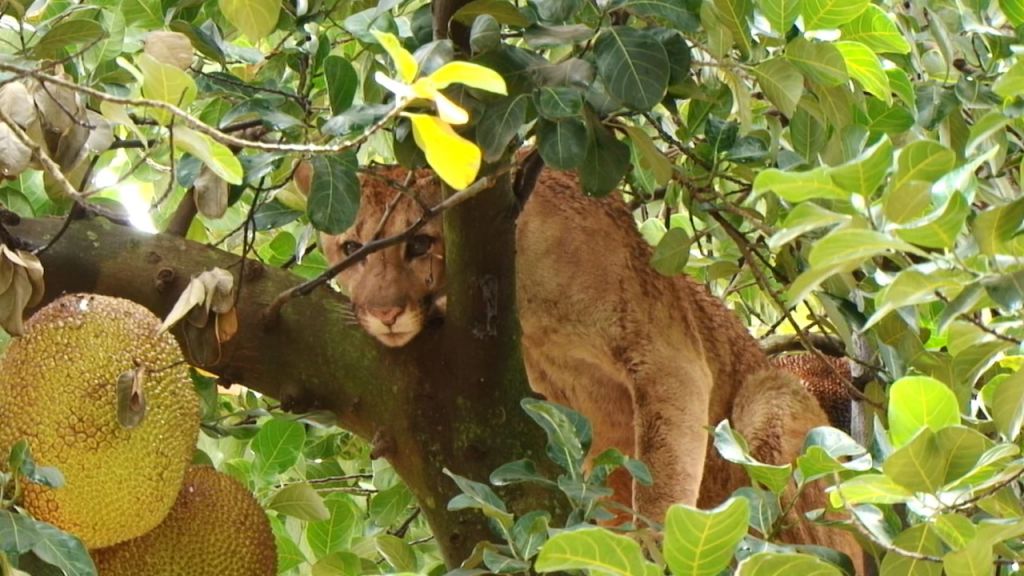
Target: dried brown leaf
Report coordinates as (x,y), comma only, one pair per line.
(35,276)
(14,301)
(15,157)
(193,295)
(16,102)
(131,397)
(172,48)
(227,325)
(59,108)
(211,193)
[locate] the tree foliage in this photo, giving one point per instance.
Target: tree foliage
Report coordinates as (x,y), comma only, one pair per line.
(852,168)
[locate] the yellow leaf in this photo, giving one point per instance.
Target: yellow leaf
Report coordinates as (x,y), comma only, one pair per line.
(472,75)
(405,64)
(255,18)
(450,112)
(166,83)
(455,159)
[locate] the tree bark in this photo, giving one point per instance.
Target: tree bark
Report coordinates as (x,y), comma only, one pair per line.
(449,399)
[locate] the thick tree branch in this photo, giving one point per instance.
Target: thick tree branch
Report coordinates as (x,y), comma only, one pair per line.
(449,399)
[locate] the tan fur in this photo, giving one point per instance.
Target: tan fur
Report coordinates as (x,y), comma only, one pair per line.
(651,361)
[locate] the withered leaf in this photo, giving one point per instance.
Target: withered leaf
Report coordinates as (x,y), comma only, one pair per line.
(211,193)
(172,48)
(16,102)
(227,325)
(15,157)
(131,397)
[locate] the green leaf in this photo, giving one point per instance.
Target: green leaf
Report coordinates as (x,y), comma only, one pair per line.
(288,553)
(66,34)
(255,18)
(868,488)
(820,62)
(676,12)
(782,83)
(939,230)
(736,15)
(827,14)
(342,82)
(672,253)
(916,402)
(596,550)
(874,29)
(18,533)
(605,164)
(920,539)
(390,505)
(962,448)
(702,542)
(995,228)
(334,192)
(853,245)
(764,506)
(1010,84)
(799,186)
(907,202)
(973,560)
(865,173)
(987,126)
(881,117)
(531,532)
(277,445)
(651,158)
(558,102)
(1007,290)
(568,433)
(301,501)
(501,10)
(828,450)
(912,287)
(62,550)
(562,144)
(918,465)
(775,564)
(499,124)
(479,496)
(165,83)
(1014,11)
(803,218)
(863,66)
(733,448)
(334,534)
(781,14)
(634,66)
(396,551)
(923,160)
(336,564)
(1007,407)
(215,155)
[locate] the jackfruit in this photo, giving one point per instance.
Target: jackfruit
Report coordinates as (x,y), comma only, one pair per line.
(216,528)
(58,390)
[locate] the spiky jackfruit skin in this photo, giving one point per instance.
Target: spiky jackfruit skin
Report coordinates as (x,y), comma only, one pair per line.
(216,528)
(58,391)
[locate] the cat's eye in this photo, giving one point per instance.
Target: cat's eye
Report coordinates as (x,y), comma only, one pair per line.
(349,246)
(418,245)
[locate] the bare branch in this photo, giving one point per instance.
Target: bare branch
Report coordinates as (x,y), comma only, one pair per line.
(200,126)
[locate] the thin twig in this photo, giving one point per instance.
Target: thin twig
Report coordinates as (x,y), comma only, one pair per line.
(200,126)
(745,248)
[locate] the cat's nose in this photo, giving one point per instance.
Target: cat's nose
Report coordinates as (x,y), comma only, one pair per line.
(386,315)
